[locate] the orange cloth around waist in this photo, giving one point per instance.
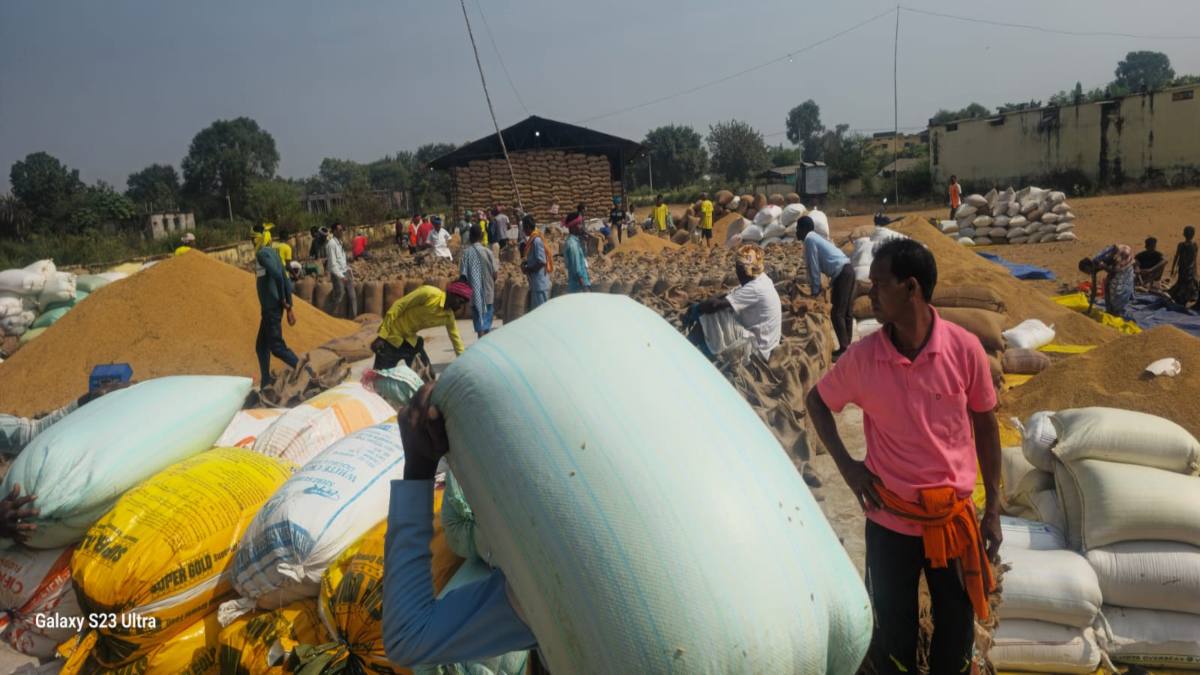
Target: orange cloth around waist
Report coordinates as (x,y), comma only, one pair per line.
(950,532)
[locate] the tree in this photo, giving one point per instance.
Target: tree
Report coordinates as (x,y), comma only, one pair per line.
(845,154)
(1077,94)
(803,126)
(273,201)
(154,188)
(781,156)
(337,175)
(737,149)
(430,187)
(224,159)
(391,173)
(676,155)
(1143,71)
(43,184)
(97,206)
(1012,107)
(973,111)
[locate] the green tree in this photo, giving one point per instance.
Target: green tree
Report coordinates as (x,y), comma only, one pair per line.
(737,150)
(1143,71)
(1077,93)
(973,111)
(43,184)
(781,156)
(224,159)
(154,188)
(98,206)
(337,175)
(845,154)
(391,173)
(431,188)
(675,153)
(1013,107)
(803,128)
(274,201)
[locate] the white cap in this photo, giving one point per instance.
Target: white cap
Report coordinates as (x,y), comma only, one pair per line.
(188,237)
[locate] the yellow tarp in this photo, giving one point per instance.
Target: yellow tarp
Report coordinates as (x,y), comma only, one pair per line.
(1079,303)
(1066,349)
(1012,380)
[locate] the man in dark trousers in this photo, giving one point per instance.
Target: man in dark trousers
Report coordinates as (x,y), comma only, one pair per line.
(274,299)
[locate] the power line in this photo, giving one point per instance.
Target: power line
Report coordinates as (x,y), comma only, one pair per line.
(1044,29)
(751,69)
(500,58)
(896,107)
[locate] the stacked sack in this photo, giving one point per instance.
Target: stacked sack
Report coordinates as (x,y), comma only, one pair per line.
(30,292)
(1122,485)
(1031,216)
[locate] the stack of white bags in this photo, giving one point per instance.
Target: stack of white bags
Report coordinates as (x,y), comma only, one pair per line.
(1031,216)
(1122,488)
(27,291)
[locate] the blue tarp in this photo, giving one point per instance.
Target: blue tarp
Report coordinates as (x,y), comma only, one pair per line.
(1149,310)
(1021,271)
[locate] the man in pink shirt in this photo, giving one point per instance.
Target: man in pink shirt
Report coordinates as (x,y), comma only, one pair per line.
(928,414)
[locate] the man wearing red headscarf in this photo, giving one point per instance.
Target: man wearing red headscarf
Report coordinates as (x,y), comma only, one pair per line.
(426,307)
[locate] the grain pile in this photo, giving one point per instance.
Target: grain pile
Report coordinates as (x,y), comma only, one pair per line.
(1112,376)
(644,243)
(186,315)
(544,177)
(958,266)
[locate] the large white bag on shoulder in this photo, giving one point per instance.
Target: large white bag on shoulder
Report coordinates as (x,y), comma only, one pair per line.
(667,542)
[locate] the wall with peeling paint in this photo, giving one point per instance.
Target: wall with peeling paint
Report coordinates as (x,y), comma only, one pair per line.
(1151,139)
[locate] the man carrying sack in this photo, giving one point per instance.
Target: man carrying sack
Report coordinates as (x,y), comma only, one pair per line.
(928,414)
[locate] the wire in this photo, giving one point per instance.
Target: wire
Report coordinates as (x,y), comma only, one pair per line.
(896,106)
(1043,29)
(501,58)
(751,69)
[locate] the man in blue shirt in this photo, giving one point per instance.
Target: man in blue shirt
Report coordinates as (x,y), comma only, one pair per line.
(537,265)
(474,621)
(822,257)
(274,299)
(575,257)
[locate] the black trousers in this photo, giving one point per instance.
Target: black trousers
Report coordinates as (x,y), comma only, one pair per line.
(953,209)
(387,355)
(270,341)
(841,290)
(894,565)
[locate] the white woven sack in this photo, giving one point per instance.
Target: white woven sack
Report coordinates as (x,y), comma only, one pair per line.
(966,241)
(1019,240)
(1050,218)
(1126,436)
(978,201)
(1031,534)
(791,214)
(948,226)
(1014,209)
(1067,217)
(1159,575)
(983,241)
(1029,334)
(752,233)
(1040,647)
(1015,232)
(1147,638)
(21,282)
(966,232)
(998,233)
(1064,227)
(1066,236)
(1021,479)
(1001,221)
(660,565)
(1061,209)
(982,222)
(59,287)
(1056,197)
(1053,586)
(820,222)
(1044,508)
(306,430)
(1028,207)
(1018,221)
(1038,436)
(1071,503)
(1126,502)
(965,211)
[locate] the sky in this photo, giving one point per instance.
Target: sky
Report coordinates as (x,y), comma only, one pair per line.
(111,87)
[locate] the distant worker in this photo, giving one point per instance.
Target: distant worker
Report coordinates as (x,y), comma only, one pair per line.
(478,268)
(1150,265)
(358,247)
(295,270)
(537,266)
(400,227)
(706,218)
(955,196)
(928,407)
(1183,264)
(186,243)
(754,303)
(498,227)
(554,209)
(616,219)
(316,249)
(284,249)
(439,240)
(476,619)
(340,273)
(661,217)
(274,299)
(1117,263)
(575,258)
(426,307)
(821,257)
(17,432)
(576,216)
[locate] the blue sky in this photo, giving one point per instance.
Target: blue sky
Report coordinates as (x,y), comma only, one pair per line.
(112,86)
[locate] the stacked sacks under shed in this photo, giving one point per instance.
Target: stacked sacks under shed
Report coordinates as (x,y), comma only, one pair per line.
(1030,216)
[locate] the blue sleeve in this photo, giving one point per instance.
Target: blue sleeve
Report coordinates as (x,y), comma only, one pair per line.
(539,251)
(812,258)
(474,621)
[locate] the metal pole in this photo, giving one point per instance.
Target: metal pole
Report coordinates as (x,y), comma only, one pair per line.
(896,110)
(650,161)
(229,205)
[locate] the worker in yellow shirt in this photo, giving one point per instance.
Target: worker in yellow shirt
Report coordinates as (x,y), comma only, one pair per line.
(186,242)
(285,251)
(661,216)
(706,213)
(425,307)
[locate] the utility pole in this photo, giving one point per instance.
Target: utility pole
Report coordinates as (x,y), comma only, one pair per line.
(229,205)
(650,161)
(896,110)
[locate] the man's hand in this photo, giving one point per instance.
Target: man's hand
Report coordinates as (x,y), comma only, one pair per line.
(14,511)
(378,345)
(990,529)
(291,317)
(861,482)
(423,433)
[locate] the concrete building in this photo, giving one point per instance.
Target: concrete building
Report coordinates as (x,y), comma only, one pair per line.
(1150,139)
(887,142)
(173,224)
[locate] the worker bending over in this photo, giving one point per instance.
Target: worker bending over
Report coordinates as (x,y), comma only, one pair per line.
(823,258)
(926,395)
(425,307)
(1117,263)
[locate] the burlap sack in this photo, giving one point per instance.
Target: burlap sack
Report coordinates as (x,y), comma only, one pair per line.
(1025,361)
(985,325)
(969,297)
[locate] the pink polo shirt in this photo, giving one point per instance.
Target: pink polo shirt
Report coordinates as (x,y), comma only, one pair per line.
(915,418)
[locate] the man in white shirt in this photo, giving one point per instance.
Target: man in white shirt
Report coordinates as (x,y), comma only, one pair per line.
(439,239)
(340,273)
(755,303)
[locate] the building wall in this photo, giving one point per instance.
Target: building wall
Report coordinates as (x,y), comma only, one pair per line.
(1142,138)
(890,144)
(544,177)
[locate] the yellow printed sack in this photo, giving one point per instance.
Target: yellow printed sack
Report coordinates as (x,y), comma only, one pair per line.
(155,563)
(351,602)
(193,651)
(258,644)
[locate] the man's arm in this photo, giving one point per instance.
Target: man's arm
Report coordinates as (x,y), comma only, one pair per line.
(452,331)
(987,449)
(858,477)
(715,304)
(813,262)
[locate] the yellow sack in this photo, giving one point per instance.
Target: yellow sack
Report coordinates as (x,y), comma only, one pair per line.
(193,651)
(1066,349)
(246,645)
(1079,303)
(155,563)
(351,599)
